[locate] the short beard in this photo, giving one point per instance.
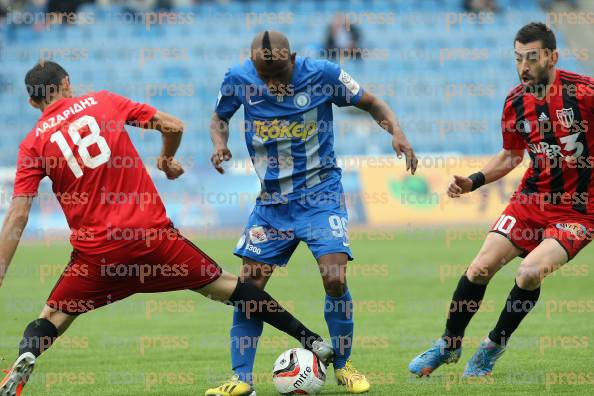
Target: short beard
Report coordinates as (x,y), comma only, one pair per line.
(540,87)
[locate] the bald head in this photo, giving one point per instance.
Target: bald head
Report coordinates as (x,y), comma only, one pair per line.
(272,57)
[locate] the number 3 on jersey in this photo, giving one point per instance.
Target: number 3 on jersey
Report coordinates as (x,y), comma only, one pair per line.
(83,145)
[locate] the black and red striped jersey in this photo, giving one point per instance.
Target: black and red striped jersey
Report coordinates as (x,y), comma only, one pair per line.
(557,133)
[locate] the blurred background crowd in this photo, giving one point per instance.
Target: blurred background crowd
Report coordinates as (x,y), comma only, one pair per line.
(445,66)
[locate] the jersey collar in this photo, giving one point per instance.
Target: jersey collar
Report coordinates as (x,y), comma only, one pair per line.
(52,107)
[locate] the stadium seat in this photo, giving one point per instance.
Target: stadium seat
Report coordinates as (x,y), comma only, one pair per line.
(411,42)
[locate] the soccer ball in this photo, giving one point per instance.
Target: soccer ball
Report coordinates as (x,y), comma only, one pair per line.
(298,372)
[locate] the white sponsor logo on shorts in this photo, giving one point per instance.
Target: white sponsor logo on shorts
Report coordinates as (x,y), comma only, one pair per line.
(577,230)
(258,235)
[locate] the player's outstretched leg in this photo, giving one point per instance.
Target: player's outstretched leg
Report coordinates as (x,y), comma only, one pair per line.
(38,336)
(244,335)
(253,302)
(496,251)
(546,258)
(338,313)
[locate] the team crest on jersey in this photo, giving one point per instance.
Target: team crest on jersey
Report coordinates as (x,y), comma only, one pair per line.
(577,230)
(258,235)
(301,100)
(565,117)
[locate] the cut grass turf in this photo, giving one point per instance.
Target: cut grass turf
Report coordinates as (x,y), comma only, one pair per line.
(177,343)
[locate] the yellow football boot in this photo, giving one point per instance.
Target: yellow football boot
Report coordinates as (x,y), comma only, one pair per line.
(354,381)
(233,387)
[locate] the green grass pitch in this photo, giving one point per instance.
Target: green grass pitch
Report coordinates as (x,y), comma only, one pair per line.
(177,343)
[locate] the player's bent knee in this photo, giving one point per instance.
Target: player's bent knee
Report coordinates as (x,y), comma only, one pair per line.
(494,254)
(529,276)
(483,268)
(334,286)
(258,281)
(256,273)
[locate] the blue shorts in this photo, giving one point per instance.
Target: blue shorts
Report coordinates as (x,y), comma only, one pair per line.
(319,219)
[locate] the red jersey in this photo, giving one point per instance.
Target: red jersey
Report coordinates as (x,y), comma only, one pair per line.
(557,132)
(97,175)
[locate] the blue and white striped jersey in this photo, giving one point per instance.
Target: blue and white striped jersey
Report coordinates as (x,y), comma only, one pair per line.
(290,138)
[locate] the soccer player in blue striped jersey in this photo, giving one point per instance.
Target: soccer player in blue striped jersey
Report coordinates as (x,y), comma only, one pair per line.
(287,103)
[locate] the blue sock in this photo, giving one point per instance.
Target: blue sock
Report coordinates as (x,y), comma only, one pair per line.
(338,312)
(244,341)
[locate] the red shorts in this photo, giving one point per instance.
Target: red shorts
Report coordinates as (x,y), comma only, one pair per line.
(527,223)
(169,263)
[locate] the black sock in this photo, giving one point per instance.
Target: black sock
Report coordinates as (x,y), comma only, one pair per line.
(466,301)
(518,304)
(252,301)
(39,335)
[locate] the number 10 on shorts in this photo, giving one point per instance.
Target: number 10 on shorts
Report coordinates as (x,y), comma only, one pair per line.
(505,224)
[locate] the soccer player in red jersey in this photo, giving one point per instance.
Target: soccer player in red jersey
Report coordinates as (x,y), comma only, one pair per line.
(123,241)
(549,218)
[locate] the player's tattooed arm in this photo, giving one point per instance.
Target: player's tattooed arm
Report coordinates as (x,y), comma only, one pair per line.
(12,229)
(171,129)
(385,117)
(499,166)
(219,134)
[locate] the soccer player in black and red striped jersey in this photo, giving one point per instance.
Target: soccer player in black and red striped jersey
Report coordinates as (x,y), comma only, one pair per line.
(549,218)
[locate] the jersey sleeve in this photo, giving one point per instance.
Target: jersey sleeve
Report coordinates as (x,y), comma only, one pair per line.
(345,90)
(29,172)
(512,138)
(589,94)
(228,101)
(133,112)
